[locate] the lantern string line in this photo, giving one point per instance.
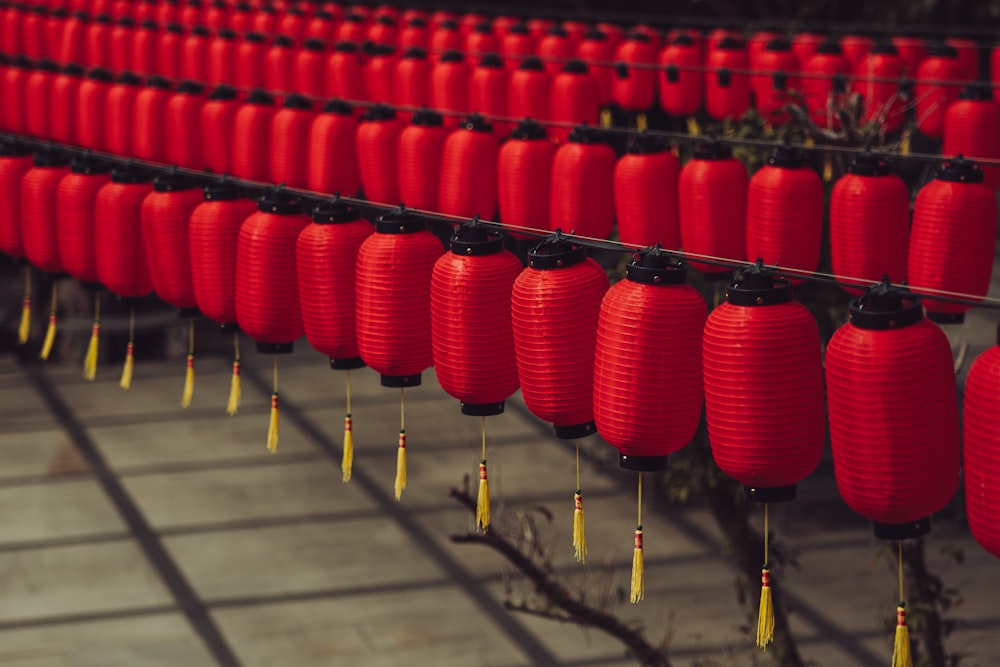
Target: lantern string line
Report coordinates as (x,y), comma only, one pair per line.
(255,187)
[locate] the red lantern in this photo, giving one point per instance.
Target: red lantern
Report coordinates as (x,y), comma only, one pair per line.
(91,110)
(15,162)
(251,58)
(583,200)
(468,185)
(194,54)
(321,26)
(555,304)
(215,126)
(290,131)
(778,74)
(727,89)
(310,69)
(39,221)
(76,199)
(344,74)
(222,58)
(149,140)
(279,64)
(968,54)
(555,48)
(785,212)
(165,216)
(633,88)
(120,44)
(38,99)
(167,12)
(414,34)
(325,257)
(421,146)
(292,23)
(995,72)
(912,50)
(332,153)
(213,236)
(183,119)
(190,14)
(681,82)
(893,412)
(145,39)
(11,30)
(216,15)
(450,87)
(488,92)
(33,32)
(481,41)
(952,238)
(169,50)
(932,92)
(412,80)
(877,81)
(824,84)
(855,48)
(645,189)
(241,20)
(251,137)
(574,99)
(594,47)
(805,45)
(15,78)
(981,432)
(524,178)
(972,128)
(530,94)
(120,109)
(767,446)
(378,147)
(757,44)
(120,252)
(379,71)
(516,45)
(444,38)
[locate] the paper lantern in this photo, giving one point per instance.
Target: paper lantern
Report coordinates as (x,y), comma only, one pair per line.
(379,72)
(778,69)
(120,44)
(91,110)
(952,238)
(481,41)
(251,137)
(524,177)
(583,200)
(183,125)
(595,47)
(194,54)
(165,216)
(980,434)
(574,99)
(344,73)
(727,89)
(76,198)
(529,95)
(877,80)
(785,212)
(279,64)
(415,34)
(72,48)
(250,66)
(805,45)
(377,146)
(468,183)
(65,93)
(119,247)
(411,81)
(145,39)
(869,222)
(216,15)
(939,81)
(149,138)
(444,37)
(292,23)
(912,50)
(488,92)
(681,85)
(309,72)
(39,219)
(321,25)
(11,29)
(757,44)
(645,194)
(972,129)
(633,88)
(215,128)
(421,146)
(290,129)
(15,77)
(450,87)
(555,48)
(516,45)
(120,108)
(332,152)
(38,99)
(968,55)
(855,48)
(824,83)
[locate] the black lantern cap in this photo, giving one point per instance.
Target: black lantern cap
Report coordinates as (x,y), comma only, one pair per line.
(222,92)
(787,157)
(427,118)
(222,189)
(130,174)
(334,212)
(759,286)
(960,170)
(173,181)
(279,201)
(528,130)
(712,149)
(645,144)
(400,221)
(474,239)
(415,52)
(772,494)
(642,463)
(86,163)
(869,164)
(49,158)
(379,112)
(300,102)
(556,252)
(902,531)
(655,267)
(259,96)
(532,64)
(884,307)
(476,123)
(338,107)
(576,66)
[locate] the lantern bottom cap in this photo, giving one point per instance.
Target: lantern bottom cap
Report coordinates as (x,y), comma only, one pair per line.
(902,531)
(59,275)
(275,348)
(188,313)
(349,364)
(401,380)
(642,463)
(482,409)
(229,327)
(946,318)
(575,431)
(91,285)
(770,494)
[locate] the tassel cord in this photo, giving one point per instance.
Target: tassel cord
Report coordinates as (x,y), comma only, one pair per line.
(235,390)
(638,587)
(189,372)
(90,358)
(50,332)
(129,366)
(272,426)
(579,535)
(483,499)
(347,460)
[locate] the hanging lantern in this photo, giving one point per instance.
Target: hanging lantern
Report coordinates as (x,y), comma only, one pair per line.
(414,34)
(38,219)
(785,212)
(183,118)
(594,47)
(488,92)
(11,21)
(76,197)
(574,99)
(249,70)
(379,72)
(251,137)
(972,128)
(190,14)
(15,78)
(265,20)
(530,91)
(241,20)
(216,15)
(980,434)
(120,44)
(321,26)
(394,267)
(310,70)
(869,222)
(290,131)
(411,81)
(912,50)
(932,93)
(645,194)
(33,31)
(215,128)
(120,109)
(279,64)
(332,151)
(583,200)
(516,44)
(805,45)
(681,84)
(471,331)
(292,23)
(167,12)
(539,27)
(824,84)
(149,138)
(855,48)
(524,178)
(468,184)
(633,88)
(377,145)
(445,37)
(952,238)
(778,74)
(450,87)
(555,49)
(421,146)
(65,93)
(145,39)
(481,41)
(38,99)
(168,51)
(757,44)
(727,90)
(877,81)
(97,42)
(91,110)
(344,73)
(222,58)
(194,54)
(968,55)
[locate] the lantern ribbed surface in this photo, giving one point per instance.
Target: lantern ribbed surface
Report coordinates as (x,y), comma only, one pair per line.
(15,77)
(574,99)
(555,304)
(529,95)
(634,58)
(394,268)
(214,233)
(980,454)
(290,129)
(681,87)
(120,251)
(421,146)
(149,138)
(645,188)
(251,137)
(377,146)
(194,54)
(759,342)
(449,90)
(932,92)
(785,212)
(412,80)
(251,62)
(596,47)
(779,74)
(869,222)
(468,185)
(488,92)
(524,177)
(648,386)
(216,128)
(76,198)
(325,257)
(471,326)
(165,217)
(222,58)
(310,69)
(876,80)
(65,92)
(824,82)
(332,153)
(379,73)
(169,47)
(345,77)
(145,39)
(91,110)
(183,118)
(15,161)
(38,100)
(893,412)
(120,108)
(952,238)
(120,45)
(972,129)
(727,94)
(39,219)
(583,199)
(279,63)
(267,291)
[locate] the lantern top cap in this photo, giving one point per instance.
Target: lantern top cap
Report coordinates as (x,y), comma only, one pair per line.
(576,66)
(86,163)
(778,44)
(314,44)
(173,181)
(491,60)
(452,56)
(474,239)
(299,102)
(385,19)
(960,170)
(344,46)
(519,29)
(448,24)
(758,285)
(96,74)
(787,157)
(14,149)
(379,113)
(830,47)
(646,144)
(189,87)
(595,34)
(149,24)
(200,31)
(869,164)
(427,118)
(942,50)
(528,130)
(730,43)
(556,252)
(130,174)
(977,92)
(682,39)
(159,83)
(259,96)
(222,189)
(417,22)
(222,92)
(279,201)
(49,158)
(712,149)
(126,21)
(653,266)
(284,41)
(400,221)
(72,69)
(484,27)
(47,65)
(531,64)
(415,52)
(226,34)
(335,211)
(557,30)
(884,307)
(338,107)
(129,79)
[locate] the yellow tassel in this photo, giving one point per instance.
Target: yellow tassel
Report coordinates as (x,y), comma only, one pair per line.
(347,462)
(483,500)
(90,359)
(272,425)
(24,328)
(904,143)
(692,126)
(901,647)
(188,383)
(827,168)
(638,590)
(401,465)
(641,122)
(127,369)
(606,118)
(234,391)
(579,537)
(50,338)
(765,616)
